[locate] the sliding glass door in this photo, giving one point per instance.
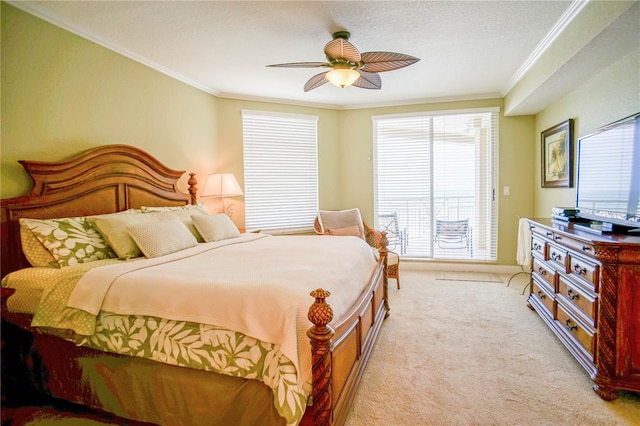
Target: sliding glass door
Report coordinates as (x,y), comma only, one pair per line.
(435,183)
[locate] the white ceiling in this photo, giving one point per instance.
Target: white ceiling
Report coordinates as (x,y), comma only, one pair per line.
(468,49)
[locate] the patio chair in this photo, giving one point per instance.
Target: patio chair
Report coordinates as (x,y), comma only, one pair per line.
(397,236)
(453,234)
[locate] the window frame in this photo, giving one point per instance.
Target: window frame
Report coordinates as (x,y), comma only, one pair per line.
(280,155)
(484,219)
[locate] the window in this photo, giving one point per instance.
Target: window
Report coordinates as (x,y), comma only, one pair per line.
(280,170)
(436,173)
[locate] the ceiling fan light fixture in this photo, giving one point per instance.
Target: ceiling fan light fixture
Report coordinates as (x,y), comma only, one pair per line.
(342,77)
(349,66)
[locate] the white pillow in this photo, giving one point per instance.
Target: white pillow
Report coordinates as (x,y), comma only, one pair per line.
(160,238)
(113,227)
(183,215)
(338,219)
(215,227)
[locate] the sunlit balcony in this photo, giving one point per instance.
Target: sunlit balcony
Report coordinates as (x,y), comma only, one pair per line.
(417,228)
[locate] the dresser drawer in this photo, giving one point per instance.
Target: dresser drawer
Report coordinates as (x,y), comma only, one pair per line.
(577,331)
(587,271)
(581,300)
(539,291)
(544,272)
(558,255)
(538,245)
(580,246)
(540,230)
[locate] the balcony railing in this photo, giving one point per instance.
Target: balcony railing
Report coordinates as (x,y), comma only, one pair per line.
(417,217)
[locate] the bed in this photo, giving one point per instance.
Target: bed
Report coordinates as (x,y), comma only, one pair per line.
(95,348)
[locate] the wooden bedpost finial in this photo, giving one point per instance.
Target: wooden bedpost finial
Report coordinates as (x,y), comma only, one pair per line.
(320,313)
(192,188)
(320,334)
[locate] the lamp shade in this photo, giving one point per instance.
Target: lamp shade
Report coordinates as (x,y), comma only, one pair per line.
(342,77)
(221,185)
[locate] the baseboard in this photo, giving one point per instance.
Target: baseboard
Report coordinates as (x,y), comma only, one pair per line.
(427,265)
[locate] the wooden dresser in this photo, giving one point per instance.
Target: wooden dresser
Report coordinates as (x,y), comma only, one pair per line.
(586,287)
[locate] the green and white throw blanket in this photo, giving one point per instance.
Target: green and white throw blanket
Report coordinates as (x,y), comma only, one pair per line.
(236,307)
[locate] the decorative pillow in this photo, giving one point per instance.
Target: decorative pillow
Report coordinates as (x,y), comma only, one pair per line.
(199,206)
(348,230)
(184,216)
(70,240)
(332,220)
(36,253)
(215,227)
(160,238)
(113,228)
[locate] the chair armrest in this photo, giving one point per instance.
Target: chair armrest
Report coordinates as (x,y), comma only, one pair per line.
(372,236)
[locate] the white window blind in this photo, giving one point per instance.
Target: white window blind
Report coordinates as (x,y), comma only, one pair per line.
(280,170)
(437,167)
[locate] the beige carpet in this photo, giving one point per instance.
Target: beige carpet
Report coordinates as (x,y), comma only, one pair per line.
(479,277)
(461,353)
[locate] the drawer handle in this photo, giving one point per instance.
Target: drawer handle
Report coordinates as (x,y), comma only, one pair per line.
(541,295)
(549,234)
(536,246)
(541,271)
(579,269)
(569,326)
(557,237)
(586,248)
(572,295)
(556,256)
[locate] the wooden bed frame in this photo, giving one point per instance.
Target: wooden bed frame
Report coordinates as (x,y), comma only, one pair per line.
(115,178)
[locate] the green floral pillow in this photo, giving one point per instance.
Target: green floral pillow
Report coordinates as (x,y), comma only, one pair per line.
(33,250)
(70,240)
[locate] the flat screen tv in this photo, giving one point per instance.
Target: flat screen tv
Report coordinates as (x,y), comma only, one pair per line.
(608,174)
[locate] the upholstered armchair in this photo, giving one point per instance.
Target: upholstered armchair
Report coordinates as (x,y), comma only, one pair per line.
(349,222)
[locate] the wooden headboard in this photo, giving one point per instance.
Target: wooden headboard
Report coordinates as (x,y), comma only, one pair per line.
(106,179)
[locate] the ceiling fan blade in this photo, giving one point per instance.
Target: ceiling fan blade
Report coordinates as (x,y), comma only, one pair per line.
(301,65)
(315,81)
(368,80)
(386,61)
(340,48)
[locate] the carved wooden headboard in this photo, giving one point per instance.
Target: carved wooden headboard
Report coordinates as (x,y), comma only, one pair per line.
(106,179)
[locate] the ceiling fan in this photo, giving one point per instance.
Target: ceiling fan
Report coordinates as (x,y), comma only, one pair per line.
(349,67)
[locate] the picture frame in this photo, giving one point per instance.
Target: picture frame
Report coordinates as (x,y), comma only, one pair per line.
(557,156)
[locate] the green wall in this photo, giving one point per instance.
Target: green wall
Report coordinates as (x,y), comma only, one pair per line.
(230,159)
(515,168)
(346,169)
(62,94)
(608,96)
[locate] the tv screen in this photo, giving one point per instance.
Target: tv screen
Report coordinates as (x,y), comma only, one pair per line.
(608,180)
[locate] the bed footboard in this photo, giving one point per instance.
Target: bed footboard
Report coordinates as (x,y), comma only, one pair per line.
(340,354)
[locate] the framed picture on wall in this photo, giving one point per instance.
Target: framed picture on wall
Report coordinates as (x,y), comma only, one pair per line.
(557,156)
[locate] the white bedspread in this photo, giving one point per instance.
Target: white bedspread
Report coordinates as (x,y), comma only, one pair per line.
(256,284)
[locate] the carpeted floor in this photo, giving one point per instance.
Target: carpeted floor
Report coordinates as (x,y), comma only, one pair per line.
(478,277)
(472,353)
(452,352)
